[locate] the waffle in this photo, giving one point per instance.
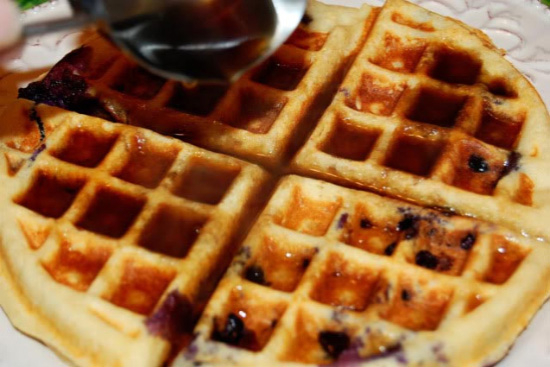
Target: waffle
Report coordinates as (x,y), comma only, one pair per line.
(341,277)
(398,100)
(106,228)
(262,117)
(431,112)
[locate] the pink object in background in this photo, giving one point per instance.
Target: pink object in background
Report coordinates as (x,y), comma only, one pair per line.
(10,25)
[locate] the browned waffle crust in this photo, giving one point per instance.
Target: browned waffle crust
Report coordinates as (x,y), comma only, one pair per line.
(120,224)
(432,114)
(130,230)
(331,274)
(262,117)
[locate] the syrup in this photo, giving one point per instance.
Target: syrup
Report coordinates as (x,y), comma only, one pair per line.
(203,39)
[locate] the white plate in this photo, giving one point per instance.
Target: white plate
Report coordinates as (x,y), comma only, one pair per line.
(522,27)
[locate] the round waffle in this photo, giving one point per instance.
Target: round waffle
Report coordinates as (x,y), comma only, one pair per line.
(114,235)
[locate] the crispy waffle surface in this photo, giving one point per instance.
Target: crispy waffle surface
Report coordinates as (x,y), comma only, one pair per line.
(114,225)
(430,111)
(262,117)
(114,236)
(335,276)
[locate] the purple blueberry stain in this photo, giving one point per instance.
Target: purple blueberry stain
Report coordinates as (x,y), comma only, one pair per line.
(512,163)
(242,256)
(439,354)
(173,318)
(65,87)
(342,221)
(191,351)
(37,152)
(400,358)
(345,92)
(348,358)
(244,252)
(34,116)
(351,356)
(467,242)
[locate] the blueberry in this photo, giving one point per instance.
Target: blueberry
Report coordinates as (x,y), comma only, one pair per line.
(390,249)
(334,343)
(365,223)
(409,225)
(405,295)
(467,242)
(232,332)
(255,274)
(406,223)
(426,259)
(478,164)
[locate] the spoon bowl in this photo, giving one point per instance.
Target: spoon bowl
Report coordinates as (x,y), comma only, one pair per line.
(192,40)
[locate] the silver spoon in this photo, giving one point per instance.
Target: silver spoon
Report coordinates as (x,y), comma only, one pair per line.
(190,40)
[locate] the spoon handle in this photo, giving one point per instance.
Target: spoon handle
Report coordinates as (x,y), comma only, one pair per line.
(85,12)
(36,29)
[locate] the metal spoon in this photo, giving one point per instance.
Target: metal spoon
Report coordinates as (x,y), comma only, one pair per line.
(190,40)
